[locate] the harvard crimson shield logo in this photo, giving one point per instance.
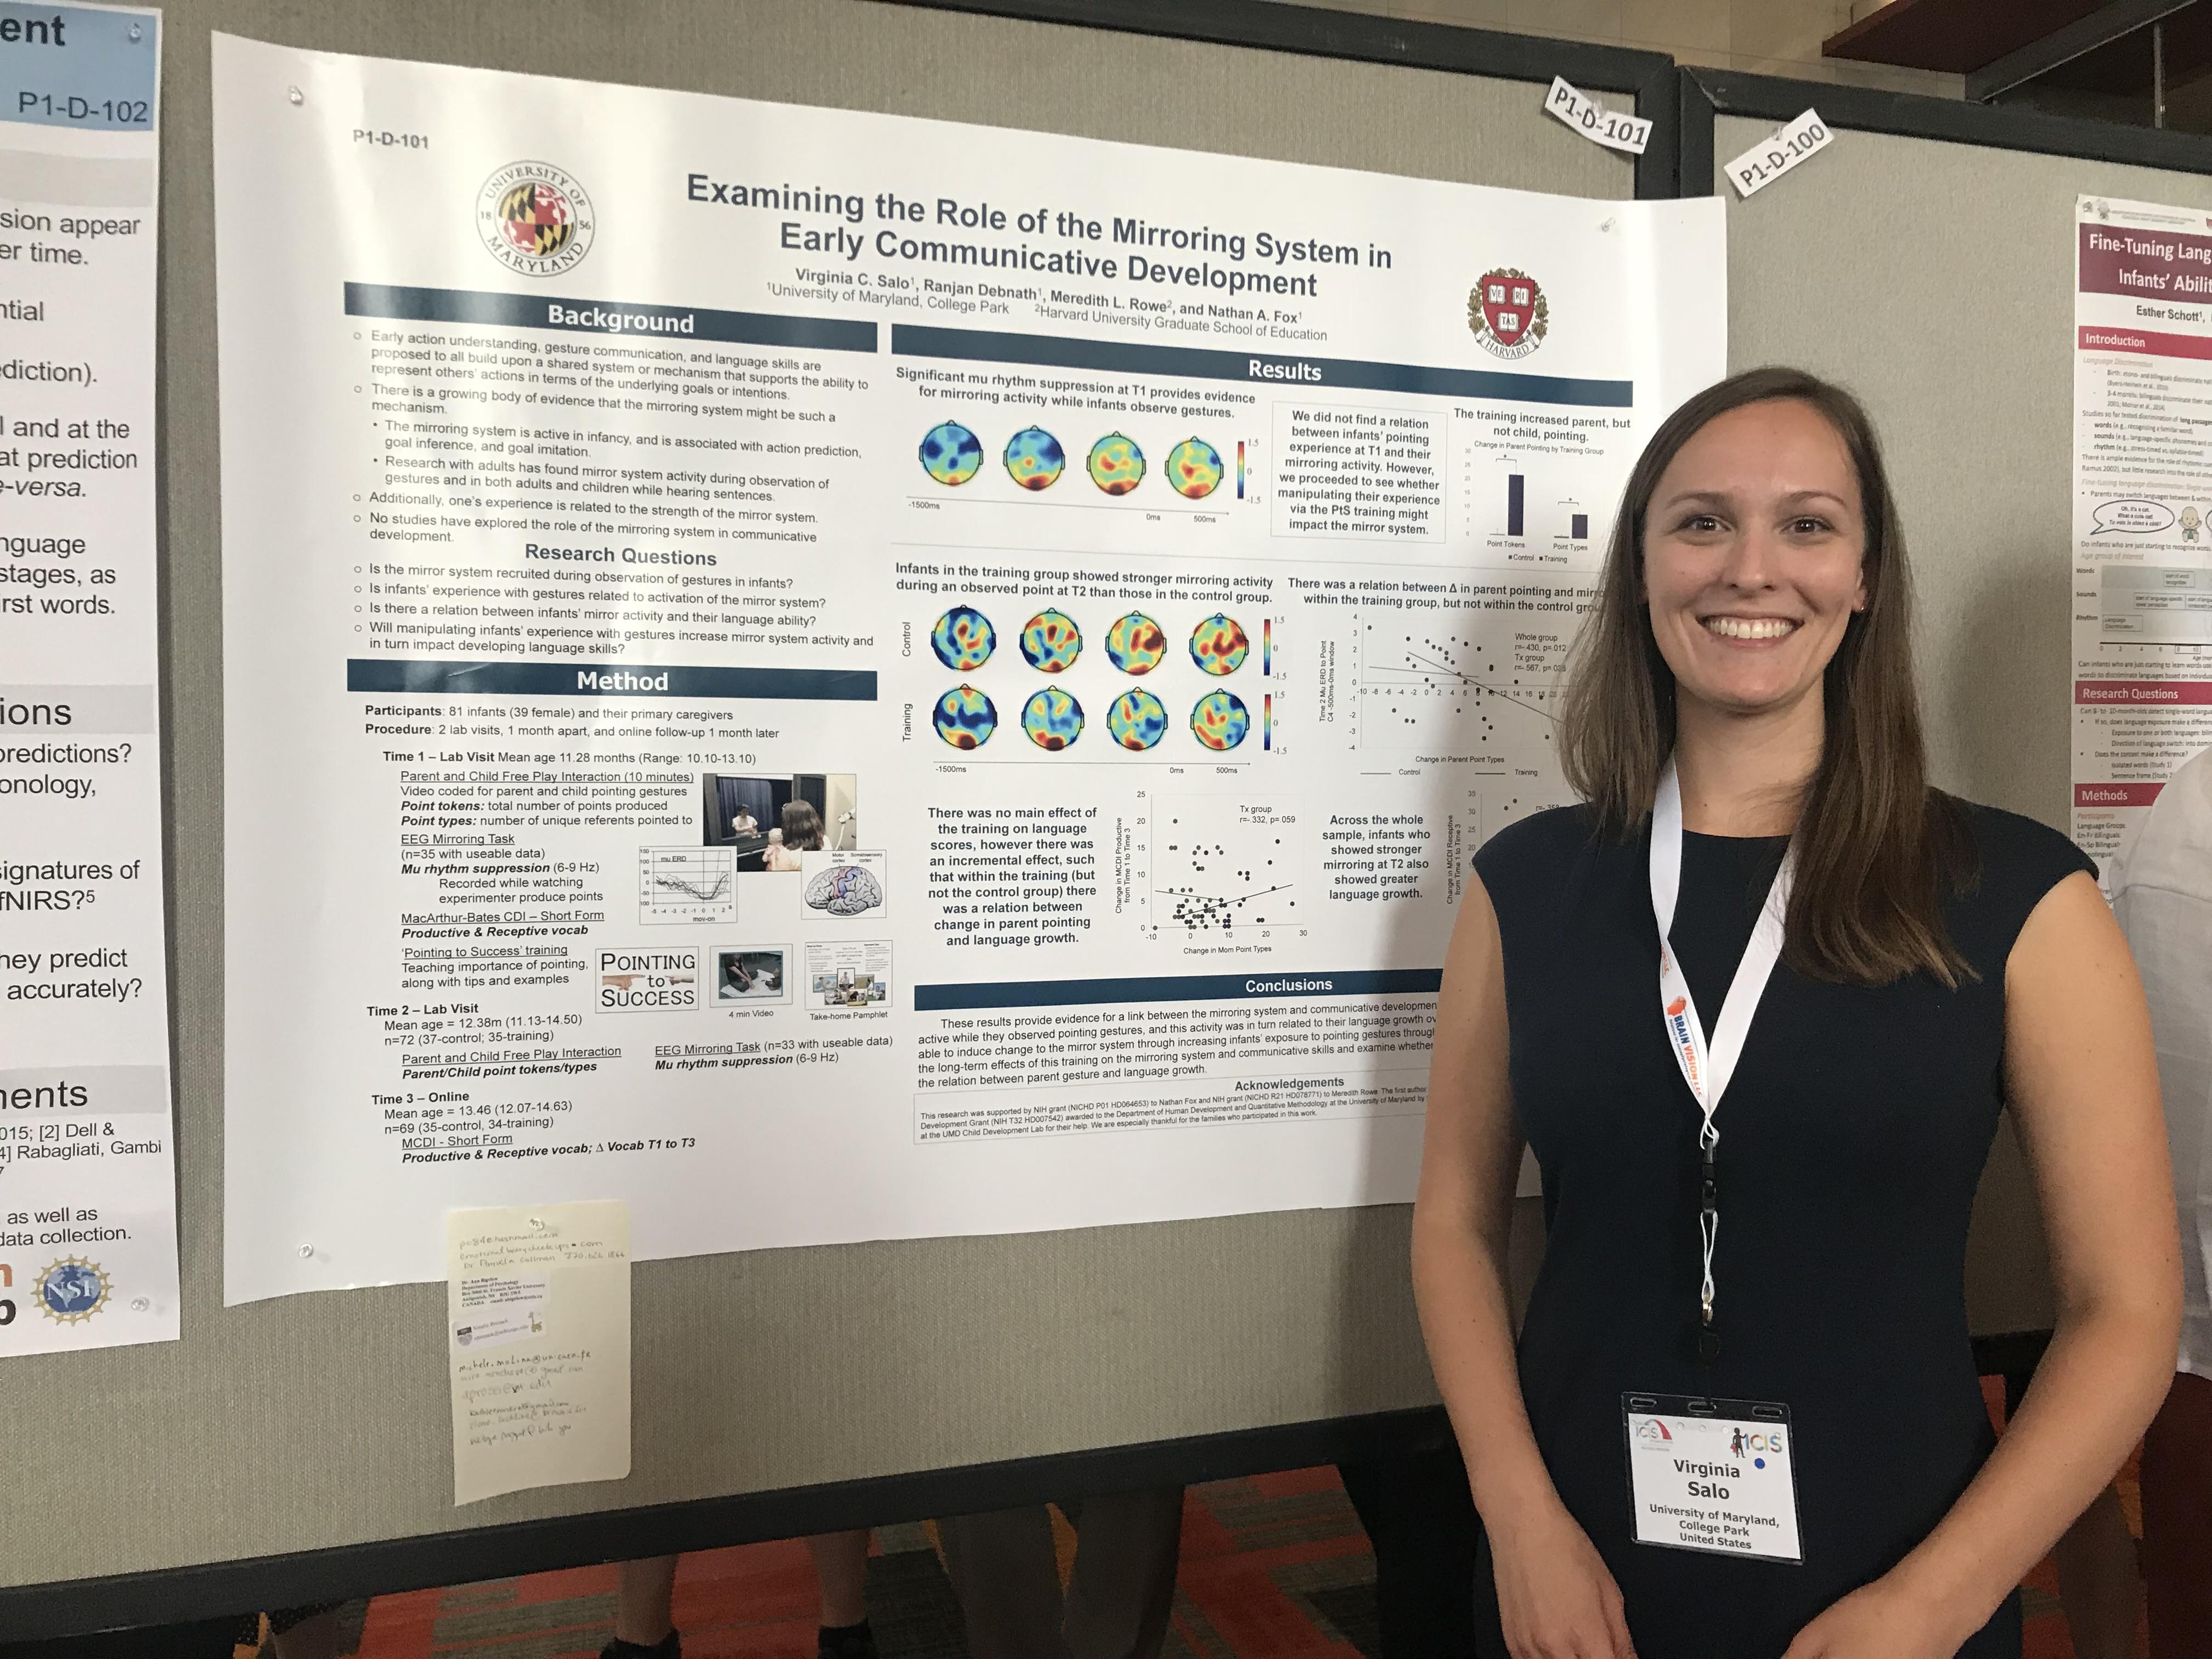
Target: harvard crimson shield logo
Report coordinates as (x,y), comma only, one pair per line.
(535,218)
(1508,312)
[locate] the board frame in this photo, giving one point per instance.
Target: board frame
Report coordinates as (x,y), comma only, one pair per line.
(1706,94)
(149,1601)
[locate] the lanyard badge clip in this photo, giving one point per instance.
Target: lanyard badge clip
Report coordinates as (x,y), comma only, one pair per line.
(1706,1068)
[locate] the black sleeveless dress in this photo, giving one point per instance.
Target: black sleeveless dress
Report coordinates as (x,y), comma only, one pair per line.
(1852,1138)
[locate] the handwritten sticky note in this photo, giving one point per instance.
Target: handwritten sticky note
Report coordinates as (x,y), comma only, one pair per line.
(537,1337)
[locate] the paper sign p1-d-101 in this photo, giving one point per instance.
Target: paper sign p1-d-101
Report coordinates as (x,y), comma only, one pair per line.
(637,980)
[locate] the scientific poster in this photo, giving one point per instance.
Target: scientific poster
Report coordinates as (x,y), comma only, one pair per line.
(87,1207)
(2142,494)
(841,676)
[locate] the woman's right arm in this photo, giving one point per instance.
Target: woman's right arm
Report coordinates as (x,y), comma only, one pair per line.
(1556,1598)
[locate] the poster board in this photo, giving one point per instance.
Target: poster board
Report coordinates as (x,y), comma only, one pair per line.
(1925,260)
(778,1370)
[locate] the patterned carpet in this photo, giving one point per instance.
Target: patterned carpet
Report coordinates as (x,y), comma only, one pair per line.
(1275,1567)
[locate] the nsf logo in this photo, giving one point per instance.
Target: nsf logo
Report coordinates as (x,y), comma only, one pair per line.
(72,1289)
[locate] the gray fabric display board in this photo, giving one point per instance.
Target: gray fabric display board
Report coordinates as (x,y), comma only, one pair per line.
(1925,260)
(297,1448)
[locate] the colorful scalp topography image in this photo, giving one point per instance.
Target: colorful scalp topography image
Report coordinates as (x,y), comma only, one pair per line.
(1219,644)
(1220,720)
(1194,469)
(1117,465)
(1053,719)
(963,639)
(1137,720)
(951,453)
(1034,458)
(1051,643)
(965,717)
(1136,644)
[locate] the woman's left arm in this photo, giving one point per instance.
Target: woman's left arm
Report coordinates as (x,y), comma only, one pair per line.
(2081,1080)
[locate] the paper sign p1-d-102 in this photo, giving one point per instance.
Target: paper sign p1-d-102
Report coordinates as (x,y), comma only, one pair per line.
(633,981)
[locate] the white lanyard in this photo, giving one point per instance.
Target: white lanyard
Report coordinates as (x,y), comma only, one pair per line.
(1707,1067)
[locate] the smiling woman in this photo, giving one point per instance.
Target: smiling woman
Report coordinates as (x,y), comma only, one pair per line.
(1724,1445)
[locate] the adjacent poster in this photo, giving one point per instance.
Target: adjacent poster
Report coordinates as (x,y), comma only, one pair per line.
(843,677)
(87,1206)
(2142,494)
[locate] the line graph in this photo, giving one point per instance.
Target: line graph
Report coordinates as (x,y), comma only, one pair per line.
(1223,866)
(686,884)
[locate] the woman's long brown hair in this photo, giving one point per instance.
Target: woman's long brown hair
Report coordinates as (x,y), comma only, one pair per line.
(1878,850)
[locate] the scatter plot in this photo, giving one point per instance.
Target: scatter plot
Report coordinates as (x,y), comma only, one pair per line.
(951,453)
(964,717)
(1051,643)
(1053,719)
(1138,719)
(1220,720)
(1136,644)
(1034,458)
(686,884)
(1194,469)
(1474,685)
(963,639)
(1219,644)
(1223,866)
(1117,465)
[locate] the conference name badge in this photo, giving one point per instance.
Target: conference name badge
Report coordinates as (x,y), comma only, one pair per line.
(1714,1475)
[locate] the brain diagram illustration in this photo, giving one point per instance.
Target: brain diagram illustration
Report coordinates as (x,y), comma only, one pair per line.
(1117,465)
(1218,644)
(1053,719)
(1194,469)
(1138,719)
(963,639)
(1136,644)
(845,889)
(1034,459)
(966,717)
(952,454)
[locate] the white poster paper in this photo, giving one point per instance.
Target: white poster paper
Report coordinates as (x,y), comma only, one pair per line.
(87,1209)
(2142,491)
(837,703)
(537,1333)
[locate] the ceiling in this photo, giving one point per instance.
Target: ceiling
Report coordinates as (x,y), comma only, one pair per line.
(1957,36)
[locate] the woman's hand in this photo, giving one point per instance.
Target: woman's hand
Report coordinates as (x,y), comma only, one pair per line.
(1554,1595)
(1880,1621)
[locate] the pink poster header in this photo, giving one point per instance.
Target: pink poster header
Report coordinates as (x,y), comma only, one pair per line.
(2116,794)
(2150,265)
(2173,694)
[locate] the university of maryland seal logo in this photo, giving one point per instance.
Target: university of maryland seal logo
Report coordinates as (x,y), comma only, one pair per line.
(72,1289)
(1508,312)
(535,218)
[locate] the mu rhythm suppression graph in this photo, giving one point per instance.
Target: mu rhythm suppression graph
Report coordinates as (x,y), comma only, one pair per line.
(687,883)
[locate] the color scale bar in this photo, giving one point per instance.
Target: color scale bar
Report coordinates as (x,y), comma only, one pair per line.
(1267,721)
(1240,469)
(1267,646)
